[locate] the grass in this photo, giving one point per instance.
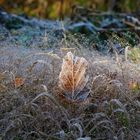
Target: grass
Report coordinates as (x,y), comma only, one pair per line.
(33,109)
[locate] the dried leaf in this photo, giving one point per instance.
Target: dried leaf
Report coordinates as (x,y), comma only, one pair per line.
(19,81)
(72,79)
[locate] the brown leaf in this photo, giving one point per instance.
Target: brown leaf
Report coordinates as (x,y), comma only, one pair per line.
(19,81)
(72,79)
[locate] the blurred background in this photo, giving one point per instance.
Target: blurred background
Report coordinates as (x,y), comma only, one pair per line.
(54,9)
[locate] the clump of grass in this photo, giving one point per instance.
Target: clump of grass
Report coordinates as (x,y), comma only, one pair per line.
(33,109)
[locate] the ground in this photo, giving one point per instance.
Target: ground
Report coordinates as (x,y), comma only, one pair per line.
(30,63)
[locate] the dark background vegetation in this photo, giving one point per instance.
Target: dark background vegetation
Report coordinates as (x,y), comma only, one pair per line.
(57,8)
